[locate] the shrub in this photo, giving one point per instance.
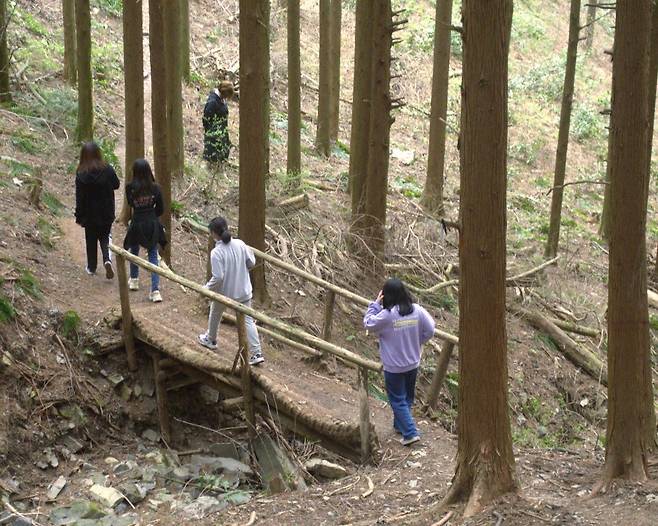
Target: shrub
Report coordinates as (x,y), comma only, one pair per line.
(70,324)
(586,123)
(7,311)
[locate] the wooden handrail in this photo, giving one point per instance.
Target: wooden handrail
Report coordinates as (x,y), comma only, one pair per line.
(195,226)
(293,332)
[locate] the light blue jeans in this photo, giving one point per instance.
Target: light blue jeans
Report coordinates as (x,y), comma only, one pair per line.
(400,388)
(153,259)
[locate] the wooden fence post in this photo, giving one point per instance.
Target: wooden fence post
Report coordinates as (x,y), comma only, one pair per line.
(364,414)
(211,245)
(439,374)
(126,314)
(159,376)
(247,391)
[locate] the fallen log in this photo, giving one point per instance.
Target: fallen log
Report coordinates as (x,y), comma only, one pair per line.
(297,202)
(575,353)
(576,329)
(439,374)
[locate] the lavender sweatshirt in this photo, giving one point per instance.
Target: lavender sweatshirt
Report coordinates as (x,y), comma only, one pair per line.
(400,337)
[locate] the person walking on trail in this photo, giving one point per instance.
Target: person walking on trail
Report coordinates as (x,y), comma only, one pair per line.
(231,260)
(95,183)
(403,327)
(145,230)
(216,142)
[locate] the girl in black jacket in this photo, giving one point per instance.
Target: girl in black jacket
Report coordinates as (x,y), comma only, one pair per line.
(145,230)
(95,183)
(216,142)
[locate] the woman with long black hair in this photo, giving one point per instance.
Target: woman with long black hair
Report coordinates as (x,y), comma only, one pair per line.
(145,230)
(403,327)
(95,183)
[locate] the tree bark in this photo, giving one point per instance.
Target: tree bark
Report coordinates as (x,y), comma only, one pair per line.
(5,93)
(591,16)
(294,160)
(653,80)
(432,198)
(133,66)
(359,137)
(485,461)
(159,115)
(563,134)
(254,130)
(68,13)
(334,111)
(171,10)
(322,142)
(185,39)
(85,130)
(604,225)
(631,417)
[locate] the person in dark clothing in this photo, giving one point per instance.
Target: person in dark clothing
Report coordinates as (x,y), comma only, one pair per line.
(95,183)
(145,230)
(216,141)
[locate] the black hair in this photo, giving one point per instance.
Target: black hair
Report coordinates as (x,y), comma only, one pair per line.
(395,293)
(91,158)
(143,182)
(219,227)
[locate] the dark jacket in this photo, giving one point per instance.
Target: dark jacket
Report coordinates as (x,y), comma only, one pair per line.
(145,228)
(216,142)
(94,197)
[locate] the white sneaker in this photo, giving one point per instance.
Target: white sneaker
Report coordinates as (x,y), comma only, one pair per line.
(255,359)
(409,441)
(109,270)
(133,283)
(90,272)
(155,296)
(206,342)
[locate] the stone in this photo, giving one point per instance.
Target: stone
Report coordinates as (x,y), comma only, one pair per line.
(203,506)
(209,395)
(129,468)
(125,392)
(71,514)
(115,378)
(111,460)
(181,474)
(137,390)
(542,431)
(108,497)
(276,470)
(405,157)
(325,469)
(56,488)
(148,387)
(217,464)
(10,486)
(132,492)
(225,450)
(22,521)
(6,517)
(238,498)
(151,435)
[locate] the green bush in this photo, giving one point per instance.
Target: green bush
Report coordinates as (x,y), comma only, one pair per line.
(586,123)
(112,7)
(544,80)
(28,284)
(7,310)
(108,147)
(527,152)
(48,231)
(70,324)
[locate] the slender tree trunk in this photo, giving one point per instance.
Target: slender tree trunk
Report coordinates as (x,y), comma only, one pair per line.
(485,461)
(85,131)
(5,92)
(70,70)
(380,127)
(294,91)
(563,134)
(171,10)
(604,226)
(322,142)
(254,129)
(653,80)
(432,198)
(133,66)
(631,418)
(359,138)
(591,16)
(185,39)
(159,115)
(334,112)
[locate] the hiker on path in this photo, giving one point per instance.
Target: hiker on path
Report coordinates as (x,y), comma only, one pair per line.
(216,141)
(145,230)
(231,261)
(95,183)
(403,327)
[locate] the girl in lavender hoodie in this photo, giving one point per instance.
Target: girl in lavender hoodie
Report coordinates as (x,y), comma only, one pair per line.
(403,327)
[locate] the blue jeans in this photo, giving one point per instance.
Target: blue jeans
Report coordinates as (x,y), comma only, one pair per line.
(153,259)
(400,388)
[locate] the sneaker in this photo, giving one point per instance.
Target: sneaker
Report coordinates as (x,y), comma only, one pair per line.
(90,272)
(255,359)
(155,296)
(109,271)
(133,283)
(409,441)
(206,342)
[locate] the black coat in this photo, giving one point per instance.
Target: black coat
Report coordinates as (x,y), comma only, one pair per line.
(94,197)
(145,228)
(216,142)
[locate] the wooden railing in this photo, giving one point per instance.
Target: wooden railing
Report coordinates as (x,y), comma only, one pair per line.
(277,329)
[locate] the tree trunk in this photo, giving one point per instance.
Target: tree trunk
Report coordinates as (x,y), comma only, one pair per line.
(85,131)
(359,137)
(322,142)
(185,39)
(433,192)
(591,16)
(485,461)
(631,418)
(604,225)
(70,70)
(563,134)
(172,38)
(653,80)
(334,111)
(380,128)
(159,115)
(133,66)
(5,93)
(254,129)
(294,91)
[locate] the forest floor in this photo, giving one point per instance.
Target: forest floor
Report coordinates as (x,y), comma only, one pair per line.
(48,362)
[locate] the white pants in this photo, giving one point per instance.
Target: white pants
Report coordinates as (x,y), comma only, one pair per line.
(215,317)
